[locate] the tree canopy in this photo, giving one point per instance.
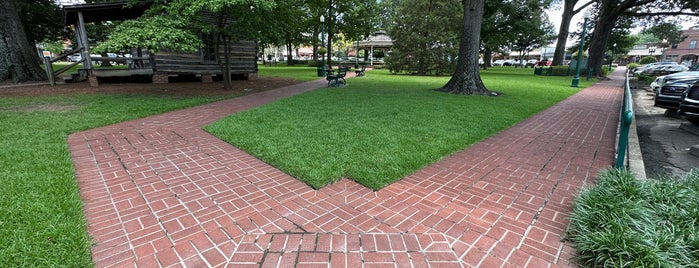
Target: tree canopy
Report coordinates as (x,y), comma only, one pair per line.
(426,36)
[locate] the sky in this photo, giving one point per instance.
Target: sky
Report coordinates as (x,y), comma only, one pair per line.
(555,18)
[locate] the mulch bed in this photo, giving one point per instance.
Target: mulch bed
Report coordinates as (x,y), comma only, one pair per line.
(28,89)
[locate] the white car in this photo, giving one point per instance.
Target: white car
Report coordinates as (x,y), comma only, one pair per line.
(498,63)
(657,83)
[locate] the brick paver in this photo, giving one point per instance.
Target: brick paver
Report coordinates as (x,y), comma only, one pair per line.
(160,192)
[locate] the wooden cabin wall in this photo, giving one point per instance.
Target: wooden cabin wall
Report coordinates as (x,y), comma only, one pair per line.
(242,59)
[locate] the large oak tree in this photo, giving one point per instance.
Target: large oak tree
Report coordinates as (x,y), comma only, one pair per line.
(19,60)
(611,10)
(466,78)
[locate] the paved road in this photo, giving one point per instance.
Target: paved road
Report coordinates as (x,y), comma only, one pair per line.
(664,138)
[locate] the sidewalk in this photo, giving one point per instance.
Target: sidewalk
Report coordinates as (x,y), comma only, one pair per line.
(160,191)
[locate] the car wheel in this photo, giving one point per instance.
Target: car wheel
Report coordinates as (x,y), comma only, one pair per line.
(694,121)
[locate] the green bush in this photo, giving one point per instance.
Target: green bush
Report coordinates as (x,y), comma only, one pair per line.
(314,63)
(646,78)
(648,59)
(632,66)
(561,70)
(626,222)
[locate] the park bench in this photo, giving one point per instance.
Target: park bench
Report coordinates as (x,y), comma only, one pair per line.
(336,80)
(360,72)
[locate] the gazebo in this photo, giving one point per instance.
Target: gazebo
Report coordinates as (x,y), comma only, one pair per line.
(379,40)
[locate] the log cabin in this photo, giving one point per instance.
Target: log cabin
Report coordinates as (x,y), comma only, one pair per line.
(160,66)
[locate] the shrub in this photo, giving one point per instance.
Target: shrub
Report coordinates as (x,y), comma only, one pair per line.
(314,63)
(561,70)
(625,222)
(646,78)
(648,59)
(632,66)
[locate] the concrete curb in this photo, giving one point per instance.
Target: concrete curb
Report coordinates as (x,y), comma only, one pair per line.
(634,160)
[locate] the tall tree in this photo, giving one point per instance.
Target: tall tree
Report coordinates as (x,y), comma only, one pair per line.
(19,59)
(569,11)
(511,24)
(666,33)
(534,31)
(426,35)
(466,78)
(611,10)
(42,20)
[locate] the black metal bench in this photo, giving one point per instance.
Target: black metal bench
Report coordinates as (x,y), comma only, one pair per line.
(360,72)
(336,80)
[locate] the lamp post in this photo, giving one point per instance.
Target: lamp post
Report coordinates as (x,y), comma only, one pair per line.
(576,79)
(612,59)
(322,36)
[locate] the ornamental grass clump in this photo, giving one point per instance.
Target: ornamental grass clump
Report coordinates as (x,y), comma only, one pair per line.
(625,222)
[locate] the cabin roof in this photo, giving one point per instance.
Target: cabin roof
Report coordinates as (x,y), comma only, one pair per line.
(111,11)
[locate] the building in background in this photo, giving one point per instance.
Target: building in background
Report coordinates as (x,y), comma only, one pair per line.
(687,51)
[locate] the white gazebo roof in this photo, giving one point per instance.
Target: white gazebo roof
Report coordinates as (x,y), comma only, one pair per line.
(377,40)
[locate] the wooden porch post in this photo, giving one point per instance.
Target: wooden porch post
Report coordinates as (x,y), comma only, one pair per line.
(83,42)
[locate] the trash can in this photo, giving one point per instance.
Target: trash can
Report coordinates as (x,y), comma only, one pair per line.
(537,70)
(321,71)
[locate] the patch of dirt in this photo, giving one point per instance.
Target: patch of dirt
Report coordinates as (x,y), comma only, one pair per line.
(256,84)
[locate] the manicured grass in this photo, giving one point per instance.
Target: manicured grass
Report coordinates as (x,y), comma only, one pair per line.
(624,222)
(383,127)
(41,219)
(300,72)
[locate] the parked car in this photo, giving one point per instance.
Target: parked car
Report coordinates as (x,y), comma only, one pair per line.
(75,57)
(531,63)
(670,95)
(671,78)
(689,104)
(664,69)
(544,63)
(498,63)
(638,70)
(508,63)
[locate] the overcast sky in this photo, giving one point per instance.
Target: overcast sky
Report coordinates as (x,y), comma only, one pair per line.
(555,18)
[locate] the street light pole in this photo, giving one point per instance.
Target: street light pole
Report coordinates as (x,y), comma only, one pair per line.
(576,79)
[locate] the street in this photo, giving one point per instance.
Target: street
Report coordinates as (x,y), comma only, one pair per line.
(664,139)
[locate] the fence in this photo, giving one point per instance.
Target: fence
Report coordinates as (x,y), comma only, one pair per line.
(625,119)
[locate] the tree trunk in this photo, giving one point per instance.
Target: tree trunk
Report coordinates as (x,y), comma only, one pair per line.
(568,12)
(289,57)
(609,13)
(487,58)
(19,60)
(466,78)
(227,83)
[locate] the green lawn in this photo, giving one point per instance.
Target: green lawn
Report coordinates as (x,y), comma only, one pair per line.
(383,127)
(41,220)
(299,72)
(625,222)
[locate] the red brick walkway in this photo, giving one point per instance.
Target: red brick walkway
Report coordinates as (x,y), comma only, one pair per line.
(160,191)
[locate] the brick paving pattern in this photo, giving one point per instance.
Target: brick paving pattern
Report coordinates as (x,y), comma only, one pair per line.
(161,192)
